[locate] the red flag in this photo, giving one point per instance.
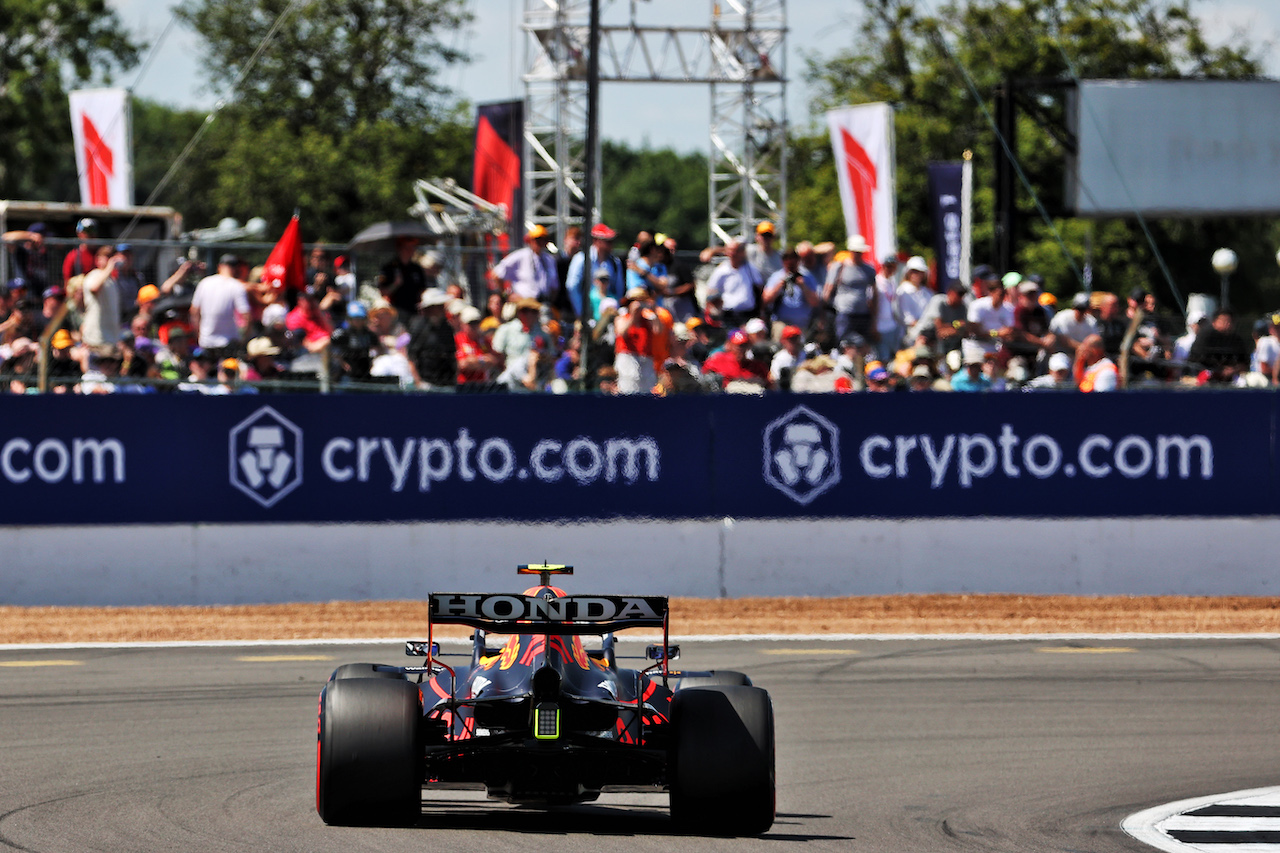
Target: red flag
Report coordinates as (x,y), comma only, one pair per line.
(284,266)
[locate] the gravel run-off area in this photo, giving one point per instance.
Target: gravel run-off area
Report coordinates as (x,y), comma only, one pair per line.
(899,614)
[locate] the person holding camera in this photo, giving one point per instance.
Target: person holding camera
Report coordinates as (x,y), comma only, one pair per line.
(791,295)
(637,325)
(101,324)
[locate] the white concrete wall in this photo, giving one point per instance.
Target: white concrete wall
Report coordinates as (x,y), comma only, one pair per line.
(237,564)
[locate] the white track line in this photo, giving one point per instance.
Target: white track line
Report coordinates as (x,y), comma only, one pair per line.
(1147,826)
(645,637)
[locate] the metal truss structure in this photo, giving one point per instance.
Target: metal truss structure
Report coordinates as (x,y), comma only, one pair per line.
(741,55)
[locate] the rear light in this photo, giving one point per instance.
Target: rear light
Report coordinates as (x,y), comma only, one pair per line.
(546,721)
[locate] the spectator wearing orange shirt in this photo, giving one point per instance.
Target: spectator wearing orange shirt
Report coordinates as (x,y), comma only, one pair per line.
(637,325)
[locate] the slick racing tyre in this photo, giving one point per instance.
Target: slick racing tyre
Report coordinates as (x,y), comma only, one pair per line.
(370,752)
(722,760)
(716,678)
(362,670)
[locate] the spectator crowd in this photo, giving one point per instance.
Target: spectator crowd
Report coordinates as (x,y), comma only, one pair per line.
(749,317)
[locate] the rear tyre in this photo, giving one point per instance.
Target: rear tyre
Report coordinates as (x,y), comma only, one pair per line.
(722,763)
(363,670)
(369,753)
(715,678)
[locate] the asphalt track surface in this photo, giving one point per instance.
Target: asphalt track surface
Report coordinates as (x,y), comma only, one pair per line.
(923,745)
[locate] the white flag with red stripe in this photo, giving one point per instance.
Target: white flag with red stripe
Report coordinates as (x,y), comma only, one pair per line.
(862,141)
(100,127)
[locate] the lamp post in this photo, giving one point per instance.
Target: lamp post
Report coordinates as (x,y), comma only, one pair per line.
(1225,262)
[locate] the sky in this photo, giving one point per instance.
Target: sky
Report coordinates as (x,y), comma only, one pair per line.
(657,115)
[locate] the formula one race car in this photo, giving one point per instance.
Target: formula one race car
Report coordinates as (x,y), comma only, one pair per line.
(543,719)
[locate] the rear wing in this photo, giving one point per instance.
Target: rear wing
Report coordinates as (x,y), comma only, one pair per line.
(570,614)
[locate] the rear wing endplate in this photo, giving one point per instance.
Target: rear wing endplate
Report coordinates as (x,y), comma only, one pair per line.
(526,614)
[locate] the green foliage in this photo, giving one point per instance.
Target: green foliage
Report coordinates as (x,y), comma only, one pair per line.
(336,118)
(329,64)
(929,59)
(46,48)
(649,190)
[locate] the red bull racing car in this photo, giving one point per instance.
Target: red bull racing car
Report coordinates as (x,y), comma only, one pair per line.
(542,718)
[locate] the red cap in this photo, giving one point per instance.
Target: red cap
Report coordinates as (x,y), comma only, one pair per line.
(600,231)
(739,337)
(792,332)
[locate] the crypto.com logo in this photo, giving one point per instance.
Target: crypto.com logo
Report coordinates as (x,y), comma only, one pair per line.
(266,456)
(802,454)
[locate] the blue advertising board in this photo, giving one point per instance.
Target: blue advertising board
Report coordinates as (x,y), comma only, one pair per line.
(194,459)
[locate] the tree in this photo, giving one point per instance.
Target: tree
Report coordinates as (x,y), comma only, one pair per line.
(335,113)
(45,44)
(329,63)
(655,191)
(931,66)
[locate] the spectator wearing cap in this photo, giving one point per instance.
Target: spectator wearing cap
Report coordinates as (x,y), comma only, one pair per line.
(101,324)
(24,321)
(432,353)
(763,253)
(353,344)
(220,310)
(52,300)
(1057,379)
(1070,328)
(584,266)
(791,294)
(30,254)
(785,359)
(530,271)
(1031,336)
(877,378)
(914,293)
(972,375)
(402,280)
(260,360)
(80,260)
(344,278)
(203,376)
(477,362)
(102,371)
(735,364)
(983,277)
(851,291)
(991,316)
(851,356)
(636,328)
(1093,370)
(63,369)
(516,337)
(737,285)
(173,359)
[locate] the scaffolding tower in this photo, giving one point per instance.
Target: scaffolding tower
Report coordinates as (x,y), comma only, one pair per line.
(740,54)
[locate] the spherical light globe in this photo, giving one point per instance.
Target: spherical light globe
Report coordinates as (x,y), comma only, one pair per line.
(1225,261)
(231,224)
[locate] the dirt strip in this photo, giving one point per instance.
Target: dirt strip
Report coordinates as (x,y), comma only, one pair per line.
(901,614)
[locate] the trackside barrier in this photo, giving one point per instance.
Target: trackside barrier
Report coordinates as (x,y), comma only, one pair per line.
(131,460)
(188,500)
